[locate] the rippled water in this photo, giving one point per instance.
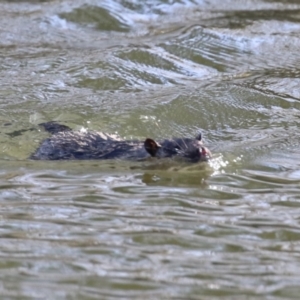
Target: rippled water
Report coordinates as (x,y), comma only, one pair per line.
(162,229)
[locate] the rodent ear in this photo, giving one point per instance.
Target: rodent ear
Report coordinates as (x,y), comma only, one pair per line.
(151,146)
(199,136)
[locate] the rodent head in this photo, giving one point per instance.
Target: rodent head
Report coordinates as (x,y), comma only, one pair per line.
(190,149)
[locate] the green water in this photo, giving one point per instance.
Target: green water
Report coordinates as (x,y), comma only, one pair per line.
(228,229)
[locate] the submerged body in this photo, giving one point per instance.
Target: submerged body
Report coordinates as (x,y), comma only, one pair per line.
(66,144)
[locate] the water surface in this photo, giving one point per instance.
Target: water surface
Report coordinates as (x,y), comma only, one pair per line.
(165,229)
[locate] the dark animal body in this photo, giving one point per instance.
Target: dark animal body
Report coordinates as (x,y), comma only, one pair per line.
(65,144)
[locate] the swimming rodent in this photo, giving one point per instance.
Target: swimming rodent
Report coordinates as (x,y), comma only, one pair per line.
(66,144)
